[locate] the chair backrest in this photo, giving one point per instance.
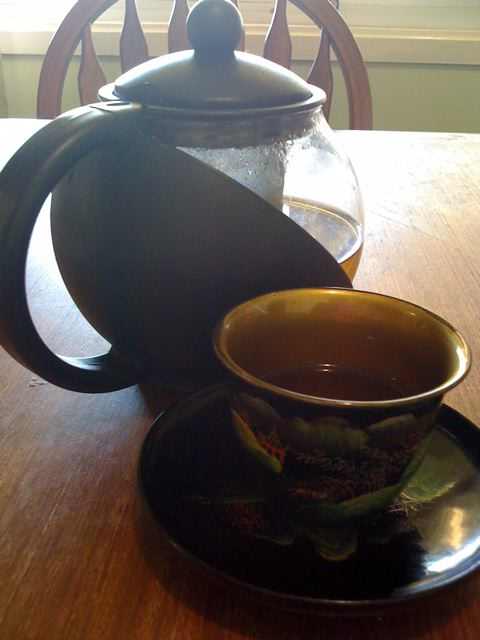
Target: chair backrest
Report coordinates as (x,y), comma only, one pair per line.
(76,29)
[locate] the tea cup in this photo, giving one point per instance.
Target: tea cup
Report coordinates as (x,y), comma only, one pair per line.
(335,392)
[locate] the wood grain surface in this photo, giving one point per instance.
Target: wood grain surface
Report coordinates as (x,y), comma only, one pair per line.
(79,558)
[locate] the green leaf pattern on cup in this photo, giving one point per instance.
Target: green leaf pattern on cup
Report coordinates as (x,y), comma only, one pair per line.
(323,475)
(331,434)
(253,446)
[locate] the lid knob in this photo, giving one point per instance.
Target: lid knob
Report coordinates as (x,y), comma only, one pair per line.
(214,27)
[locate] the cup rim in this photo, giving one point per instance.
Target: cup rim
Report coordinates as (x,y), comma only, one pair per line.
(229,363)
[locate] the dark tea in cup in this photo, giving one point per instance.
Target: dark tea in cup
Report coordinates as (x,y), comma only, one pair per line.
(331,381)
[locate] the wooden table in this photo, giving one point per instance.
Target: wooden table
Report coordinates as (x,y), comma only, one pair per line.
(78,560)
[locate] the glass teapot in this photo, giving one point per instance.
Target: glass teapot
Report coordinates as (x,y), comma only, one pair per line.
(256,122)
(202,178)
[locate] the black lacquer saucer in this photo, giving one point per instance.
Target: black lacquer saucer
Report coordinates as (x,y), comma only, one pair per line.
(429,539)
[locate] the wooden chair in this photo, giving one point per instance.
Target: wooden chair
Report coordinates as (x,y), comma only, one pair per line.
(76,29)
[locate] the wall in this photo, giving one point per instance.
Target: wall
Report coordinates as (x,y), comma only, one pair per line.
(413,97)
(3,94)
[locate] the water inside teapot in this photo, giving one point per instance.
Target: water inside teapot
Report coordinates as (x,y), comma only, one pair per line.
(337,231)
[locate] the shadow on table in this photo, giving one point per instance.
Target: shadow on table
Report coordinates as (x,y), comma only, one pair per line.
(158,398)
(231,607)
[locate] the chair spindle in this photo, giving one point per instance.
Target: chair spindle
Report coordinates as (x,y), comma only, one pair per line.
(90,76)
(320,73)
(241,44)
(133,46)
(177,27)
(278,45)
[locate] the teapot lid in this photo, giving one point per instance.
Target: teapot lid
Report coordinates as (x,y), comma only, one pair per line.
(213,77)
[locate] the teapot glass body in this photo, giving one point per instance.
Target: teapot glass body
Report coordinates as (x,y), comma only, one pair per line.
(307,176)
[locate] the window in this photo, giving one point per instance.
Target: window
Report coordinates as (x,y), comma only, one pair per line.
(428,14)
(440,31)
(23,14)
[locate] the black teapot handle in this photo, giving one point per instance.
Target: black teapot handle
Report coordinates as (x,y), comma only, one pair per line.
(25,182)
